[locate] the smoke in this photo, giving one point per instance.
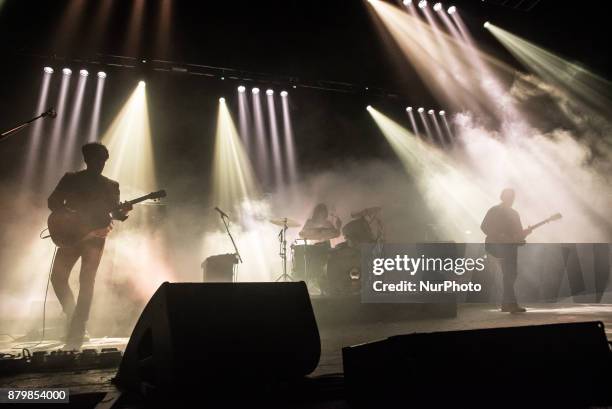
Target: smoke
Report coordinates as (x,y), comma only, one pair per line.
(349,187)
(554,153)
(135,262)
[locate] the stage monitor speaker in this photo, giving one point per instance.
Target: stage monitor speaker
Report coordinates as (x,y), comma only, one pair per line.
(212,337)
(219,268)
(557,364)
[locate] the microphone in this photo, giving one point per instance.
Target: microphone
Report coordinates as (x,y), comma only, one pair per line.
(221,212)
(52,113)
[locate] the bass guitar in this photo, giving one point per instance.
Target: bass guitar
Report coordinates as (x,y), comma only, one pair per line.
(497,249)
(67,228)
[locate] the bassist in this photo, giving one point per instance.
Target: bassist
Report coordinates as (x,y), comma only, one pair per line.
(89,194)
(505,232)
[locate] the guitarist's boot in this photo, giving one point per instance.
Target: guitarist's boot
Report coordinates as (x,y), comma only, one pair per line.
(75,336)
(512,308)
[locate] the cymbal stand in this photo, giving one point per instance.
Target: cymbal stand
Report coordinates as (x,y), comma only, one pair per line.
(282,238)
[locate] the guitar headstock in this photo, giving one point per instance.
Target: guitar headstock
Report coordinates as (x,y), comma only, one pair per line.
(556,216)
(156,195)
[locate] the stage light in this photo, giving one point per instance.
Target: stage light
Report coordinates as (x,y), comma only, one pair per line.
(284,93)
(431,112)
(255,90)
(421,110)
(442,113)
(422,4)
(487,24)
(141,83)
(222,100)
(452,10)
(409,109)
(222,78)
(67,71)
(369,107)
(437,7)
(241,88)
(48,70)
(269,92)
(84,73)
(101,74)
(407,2)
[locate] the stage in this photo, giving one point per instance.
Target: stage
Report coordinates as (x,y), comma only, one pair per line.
(333,338)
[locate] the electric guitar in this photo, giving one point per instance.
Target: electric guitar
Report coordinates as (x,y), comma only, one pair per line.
(556,216)
(67,228)
(492,248)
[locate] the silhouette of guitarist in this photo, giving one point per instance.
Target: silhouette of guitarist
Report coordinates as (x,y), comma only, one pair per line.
(502,225)
(91,195)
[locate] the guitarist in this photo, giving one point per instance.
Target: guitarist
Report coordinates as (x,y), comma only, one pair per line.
(91,195)
(502,225)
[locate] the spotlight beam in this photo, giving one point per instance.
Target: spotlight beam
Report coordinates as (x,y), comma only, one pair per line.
(263,161)
(95,113)
(590,88)
(244,120)
(128,139)
(52,159)
(71,146)
(279,174)
(454,199)
(290,156)
(233,179)
(34,142)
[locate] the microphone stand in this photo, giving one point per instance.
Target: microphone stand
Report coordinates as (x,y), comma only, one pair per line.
(19,127)
(224,220)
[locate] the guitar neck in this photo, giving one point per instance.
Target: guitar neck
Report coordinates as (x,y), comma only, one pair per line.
(133,201)
(138,200)
(542,223)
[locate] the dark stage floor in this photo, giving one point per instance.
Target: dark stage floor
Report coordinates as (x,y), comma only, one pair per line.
(333,338)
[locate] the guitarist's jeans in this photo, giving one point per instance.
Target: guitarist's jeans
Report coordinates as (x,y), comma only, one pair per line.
(90,252)
(508,257)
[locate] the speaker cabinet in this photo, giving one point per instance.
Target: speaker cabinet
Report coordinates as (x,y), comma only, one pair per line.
(558,364)
(216,336)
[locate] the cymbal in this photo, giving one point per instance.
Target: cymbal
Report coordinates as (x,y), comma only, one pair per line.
(366,212)
(285,221)
(319,233)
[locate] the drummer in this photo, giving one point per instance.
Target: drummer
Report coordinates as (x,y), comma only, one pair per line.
(319,227)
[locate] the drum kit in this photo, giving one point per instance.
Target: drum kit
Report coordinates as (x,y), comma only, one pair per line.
(335,271)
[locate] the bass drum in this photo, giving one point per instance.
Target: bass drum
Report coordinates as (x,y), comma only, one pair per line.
(309,261)
(344,270)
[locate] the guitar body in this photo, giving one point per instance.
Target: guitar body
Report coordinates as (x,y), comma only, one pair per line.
(66,228)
